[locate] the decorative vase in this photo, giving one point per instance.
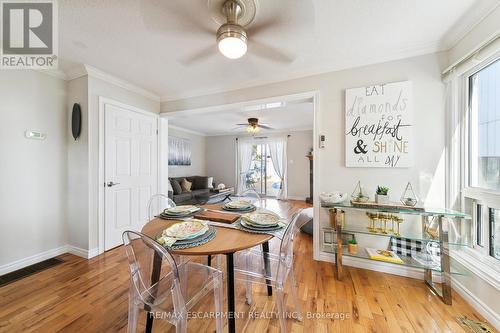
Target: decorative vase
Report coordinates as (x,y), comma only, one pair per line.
(352,248)
(381,199)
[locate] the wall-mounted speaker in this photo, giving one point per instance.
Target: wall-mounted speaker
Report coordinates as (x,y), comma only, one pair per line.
(76,121)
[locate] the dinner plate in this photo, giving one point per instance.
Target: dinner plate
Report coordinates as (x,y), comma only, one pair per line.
(262,218)
(238,204)
(245,210)
(255,225)
(181,210)
(246,225)
(191,242)
(186,230)
(175,217)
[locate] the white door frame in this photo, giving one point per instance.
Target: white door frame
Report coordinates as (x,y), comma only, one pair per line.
(315,95)
(101,205)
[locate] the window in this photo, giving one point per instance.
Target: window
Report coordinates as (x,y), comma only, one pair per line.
(479,225)
(484,129)
(482,159)
(495,233)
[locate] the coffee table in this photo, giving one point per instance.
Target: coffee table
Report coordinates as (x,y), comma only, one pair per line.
(214,197)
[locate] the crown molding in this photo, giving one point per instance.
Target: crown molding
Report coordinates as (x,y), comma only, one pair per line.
(464,27)
(53,72)
(83,70)
(182,129)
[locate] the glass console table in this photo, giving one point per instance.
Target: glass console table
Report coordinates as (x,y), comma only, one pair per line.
(441,227)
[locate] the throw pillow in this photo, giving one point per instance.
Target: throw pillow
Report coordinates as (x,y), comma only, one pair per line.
(186,185)
(199,182)
(170,189)
(176,186)
(210,183)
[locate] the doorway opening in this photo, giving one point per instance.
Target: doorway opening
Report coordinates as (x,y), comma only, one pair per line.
(262,176)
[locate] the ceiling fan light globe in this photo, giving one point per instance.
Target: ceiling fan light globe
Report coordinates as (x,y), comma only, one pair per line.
(253,129)
(232,47)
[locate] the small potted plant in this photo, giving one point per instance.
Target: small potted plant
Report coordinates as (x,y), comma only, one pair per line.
(381,196)
(352,246)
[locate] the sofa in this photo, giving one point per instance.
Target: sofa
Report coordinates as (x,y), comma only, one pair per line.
(199,188)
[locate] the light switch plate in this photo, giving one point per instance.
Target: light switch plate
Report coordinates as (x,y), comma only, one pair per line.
(34,135)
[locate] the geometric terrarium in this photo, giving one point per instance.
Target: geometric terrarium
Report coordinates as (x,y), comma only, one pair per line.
(359,195)
(409,198)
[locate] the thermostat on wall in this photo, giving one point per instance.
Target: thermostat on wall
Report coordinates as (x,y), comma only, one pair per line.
(34,135)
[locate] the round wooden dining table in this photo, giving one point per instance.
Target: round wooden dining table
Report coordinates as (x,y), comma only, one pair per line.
(227,241)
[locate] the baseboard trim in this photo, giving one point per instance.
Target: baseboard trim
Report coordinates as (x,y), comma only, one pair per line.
(87,254)
(21,263)
(293,197)
(36,258)
(488,313)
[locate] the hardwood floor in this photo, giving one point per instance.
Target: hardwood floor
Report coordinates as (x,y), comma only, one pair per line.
(92,295)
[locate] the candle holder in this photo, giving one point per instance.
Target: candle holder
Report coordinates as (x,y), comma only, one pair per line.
(398,222)
(371,221)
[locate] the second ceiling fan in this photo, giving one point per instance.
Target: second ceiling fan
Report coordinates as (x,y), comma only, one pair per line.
(253,126)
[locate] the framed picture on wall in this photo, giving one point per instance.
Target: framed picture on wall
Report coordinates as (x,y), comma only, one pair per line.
(378,122)
(179,151)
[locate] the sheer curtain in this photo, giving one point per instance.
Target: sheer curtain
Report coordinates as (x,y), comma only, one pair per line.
(243,163)
(277,151)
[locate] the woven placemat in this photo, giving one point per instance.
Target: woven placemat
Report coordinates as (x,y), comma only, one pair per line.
(208,236)
(276,233)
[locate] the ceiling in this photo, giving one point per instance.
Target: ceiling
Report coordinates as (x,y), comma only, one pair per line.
(147,42)
(297,115)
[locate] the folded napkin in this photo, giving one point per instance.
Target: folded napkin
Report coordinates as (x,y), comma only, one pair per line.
(166,241)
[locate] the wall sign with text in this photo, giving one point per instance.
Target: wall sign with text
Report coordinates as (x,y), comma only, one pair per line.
(379,126)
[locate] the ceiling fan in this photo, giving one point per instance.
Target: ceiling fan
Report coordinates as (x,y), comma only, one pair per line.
(253,126)
(235,34)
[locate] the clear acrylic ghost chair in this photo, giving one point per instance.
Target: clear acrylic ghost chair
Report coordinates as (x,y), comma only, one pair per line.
(251,267)
(157,204)
(165,298)
(252,196)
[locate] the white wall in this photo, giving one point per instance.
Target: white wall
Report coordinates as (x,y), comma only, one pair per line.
(300,143)
(427,174)
(78,167)
(198,165)
(33,173)
(221,161)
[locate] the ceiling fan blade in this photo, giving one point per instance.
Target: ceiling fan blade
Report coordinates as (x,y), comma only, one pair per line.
(263,50)
(260,27)
(265,126)
(202,54)
(242,124)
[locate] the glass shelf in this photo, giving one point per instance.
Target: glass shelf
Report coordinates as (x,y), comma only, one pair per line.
(404,234)
(401,210)
(408,261)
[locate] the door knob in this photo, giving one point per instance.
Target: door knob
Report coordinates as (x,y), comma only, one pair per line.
(109,184)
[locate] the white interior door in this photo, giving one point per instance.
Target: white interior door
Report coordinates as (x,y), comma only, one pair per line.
(130,170)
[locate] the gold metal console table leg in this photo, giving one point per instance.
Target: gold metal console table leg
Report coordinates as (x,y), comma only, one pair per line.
(445,291)
(337,226)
